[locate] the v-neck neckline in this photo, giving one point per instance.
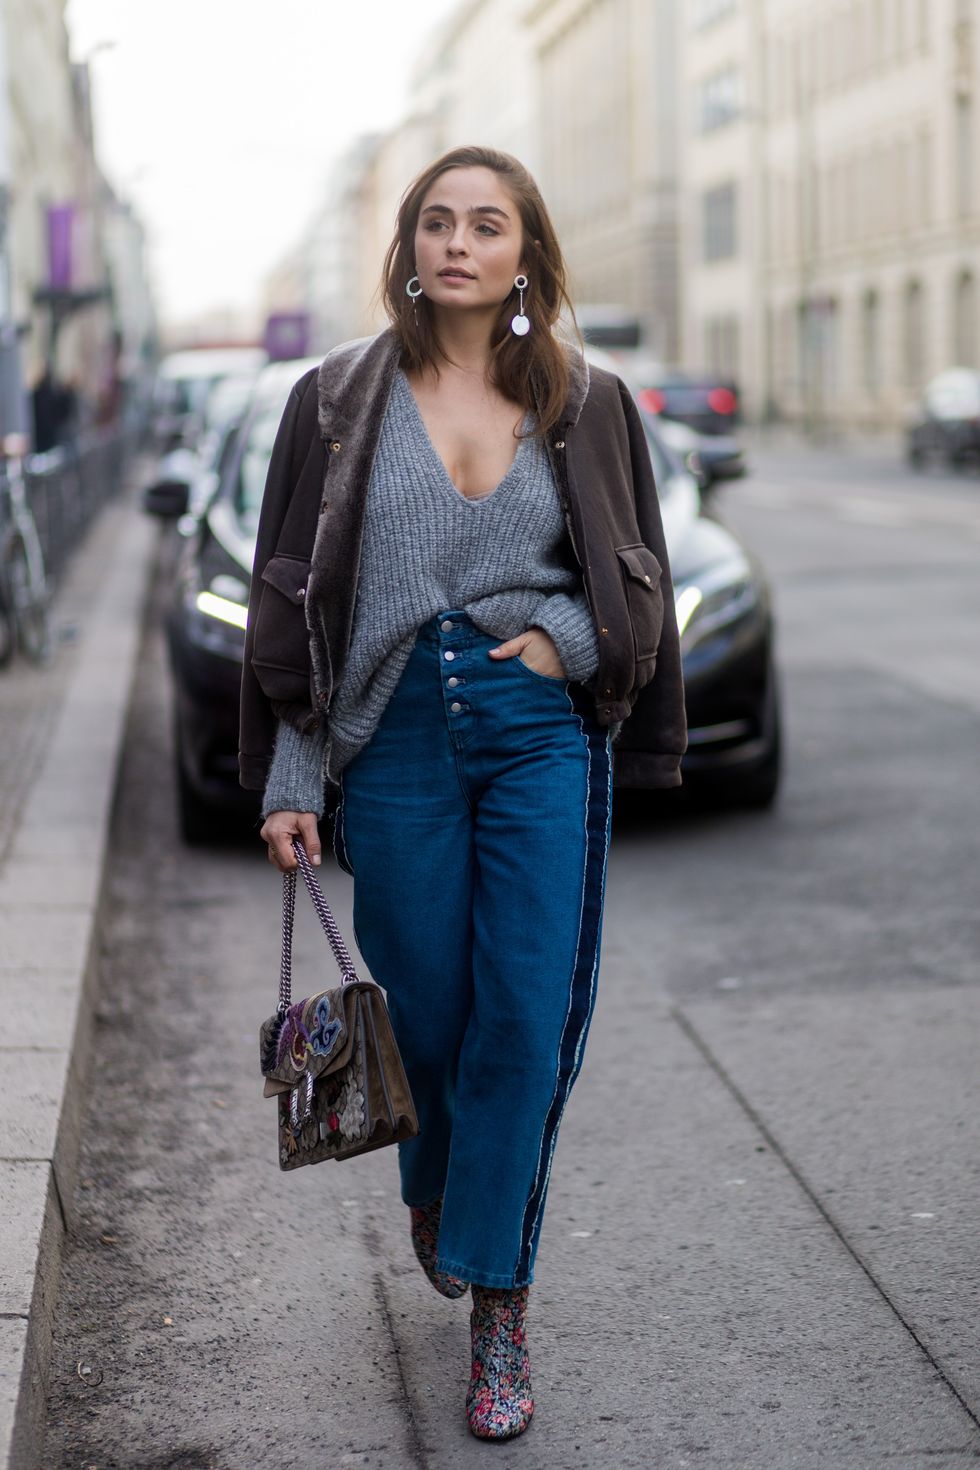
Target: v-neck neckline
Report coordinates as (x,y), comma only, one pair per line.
(515,463)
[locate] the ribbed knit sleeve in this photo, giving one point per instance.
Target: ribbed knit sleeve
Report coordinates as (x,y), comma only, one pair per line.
(296,775)
(568,621)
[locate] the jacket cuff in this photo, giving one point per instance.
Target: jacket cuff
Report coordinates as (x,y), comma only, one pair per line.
(296,777)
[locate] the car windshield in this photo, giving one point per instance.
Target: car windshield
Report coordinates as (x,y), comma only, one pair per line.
(253,467)
(227,400)
(665,464)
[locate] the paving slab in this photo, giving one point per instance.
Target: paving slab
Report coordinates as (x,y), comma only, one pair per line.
(872,1096)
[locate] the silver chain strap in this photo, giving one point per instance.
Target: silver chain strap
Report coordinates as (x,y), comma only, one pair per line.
(329,924)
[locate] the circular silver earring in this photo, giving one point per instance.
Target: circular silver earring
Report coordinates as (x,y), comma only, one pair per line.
(414,295)
(519,324)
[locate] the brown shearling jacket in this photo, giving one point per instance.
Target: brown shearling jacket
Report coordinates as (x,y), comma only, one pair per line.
(304,577)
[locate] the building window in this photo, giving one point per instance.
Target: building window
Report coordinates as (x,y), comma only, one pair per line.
(965,320)
(719,99)
(871,343)
(719,205)
(914,343)
(707,12)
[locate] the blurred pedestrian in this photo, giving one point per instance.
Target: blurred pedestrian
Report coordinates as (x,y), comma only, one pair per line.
(55,410)
(447,629)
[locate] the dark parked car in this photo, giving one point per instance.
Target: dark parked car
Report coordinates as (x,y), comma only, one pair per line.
(710,457)
(218,512)
(946,424)
(721,596)
(706,403)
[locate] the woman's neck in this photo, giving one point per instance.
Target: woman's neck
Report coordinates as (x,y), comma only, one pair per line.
(465,339)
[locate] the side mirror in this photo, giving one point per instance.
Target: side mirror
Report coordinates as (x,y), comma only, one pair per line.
(167,498)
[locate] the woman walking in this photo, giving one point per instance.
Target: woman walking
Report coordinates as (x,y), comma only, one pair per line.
(461,597)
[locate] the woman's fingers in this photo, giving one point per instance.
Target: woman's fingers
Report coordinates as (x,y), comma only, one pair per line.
(310,837)
(543,655)
(512,647)
(279,830)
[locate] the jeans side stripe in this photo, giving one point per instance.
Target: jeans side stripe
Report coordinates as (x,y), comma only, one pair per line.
(598,808)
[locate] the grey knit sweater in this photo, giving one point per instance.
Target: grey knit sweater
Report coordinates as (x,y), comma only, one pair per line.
(426,547)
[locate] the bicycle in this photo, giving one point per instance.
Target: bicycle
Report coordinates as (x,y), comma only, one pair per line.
(24,593)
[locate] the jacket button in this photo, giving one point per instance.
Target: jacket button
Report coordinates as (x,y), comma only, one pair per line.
(645,577)
(603,630)
(335,446)
(559,444)
(300,591)
(323,506)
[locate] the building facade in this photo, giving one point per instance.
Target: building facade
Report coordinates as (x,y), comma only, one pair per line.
(585,93)
(607,122)
(831,224)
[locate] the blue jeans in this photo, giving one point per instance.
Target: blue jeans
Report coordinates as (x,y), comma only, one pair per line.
(475,824)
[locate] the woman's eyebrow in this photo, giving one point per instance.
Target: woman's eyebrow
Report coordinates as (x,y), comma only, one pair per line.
(474,209)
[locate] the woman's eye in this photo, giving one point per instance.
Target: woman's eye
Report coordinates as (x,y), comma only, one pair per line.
(436,224)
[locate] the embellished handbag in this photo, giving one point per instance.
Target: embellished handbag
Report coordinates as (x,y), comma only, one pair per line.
(331,1060)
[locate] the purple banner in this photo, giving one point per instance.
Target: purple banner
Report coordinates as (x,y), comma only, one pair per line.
(61,218)
(287,334)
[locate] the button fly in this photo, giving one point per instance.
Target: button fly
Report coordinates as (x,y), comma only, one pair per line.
(447,626)
(452,682)
(449,655)
(455,706)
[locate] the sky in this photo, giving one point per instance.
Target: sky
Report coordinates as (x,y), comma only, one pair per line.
(219,120)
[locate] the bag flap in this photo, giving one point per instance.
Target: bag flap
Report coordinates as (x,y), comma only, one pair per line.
(315,1036)
(289,575)
(640,563)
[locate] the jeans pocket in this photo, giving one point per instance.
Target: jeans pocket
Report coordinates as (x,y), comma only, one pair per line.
(559,680)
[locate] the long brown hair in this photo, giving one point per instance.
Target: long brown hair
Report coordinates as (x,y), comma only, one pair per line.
(531,370)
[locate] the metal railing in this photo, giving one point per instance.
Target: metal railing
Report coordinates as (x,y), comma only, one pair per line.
(67,486)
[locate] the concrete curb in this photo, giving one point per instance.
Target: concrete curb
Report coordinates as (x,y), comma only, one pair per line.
(51,896)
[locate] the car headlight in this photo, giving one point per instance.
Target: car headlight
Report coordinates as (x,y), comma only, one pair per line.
(216,610)
(714,598)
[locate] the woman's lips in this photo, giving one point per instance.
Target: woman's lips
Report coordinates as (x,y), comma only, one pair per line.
(455,276)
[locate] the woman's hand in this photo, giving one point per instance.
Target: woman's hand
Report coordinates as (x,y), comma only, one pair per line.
(278,831)
(537,650)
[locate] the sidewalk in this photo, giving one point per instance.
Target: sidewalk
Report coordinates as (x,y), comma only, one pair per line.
(61,728)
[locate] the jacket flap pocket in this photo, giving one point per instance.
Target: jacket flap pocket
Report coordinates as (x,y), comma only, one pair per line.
(289,575)
(640,563)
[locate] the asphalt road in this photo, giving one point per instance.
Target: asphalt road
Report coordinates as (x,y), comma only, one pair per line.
(760,1248)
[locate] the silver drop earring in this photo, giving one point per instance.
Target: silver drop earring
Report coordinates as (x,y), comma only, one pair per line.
(414,295)
(519,324)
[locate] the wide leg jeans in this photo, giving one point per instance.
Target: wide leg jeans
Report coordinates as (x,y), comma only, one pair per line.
(475,824)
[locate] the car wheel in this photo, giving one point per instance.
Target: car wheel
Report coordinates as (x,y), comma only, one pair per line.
(197,817)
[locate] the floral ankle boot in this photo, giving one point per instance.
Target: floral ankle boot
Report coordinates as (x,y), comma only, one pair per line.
(498,1401)
(425,1233)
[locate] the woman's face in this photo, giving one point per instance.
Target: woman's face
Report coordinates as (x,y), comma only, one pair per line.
(468,223)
